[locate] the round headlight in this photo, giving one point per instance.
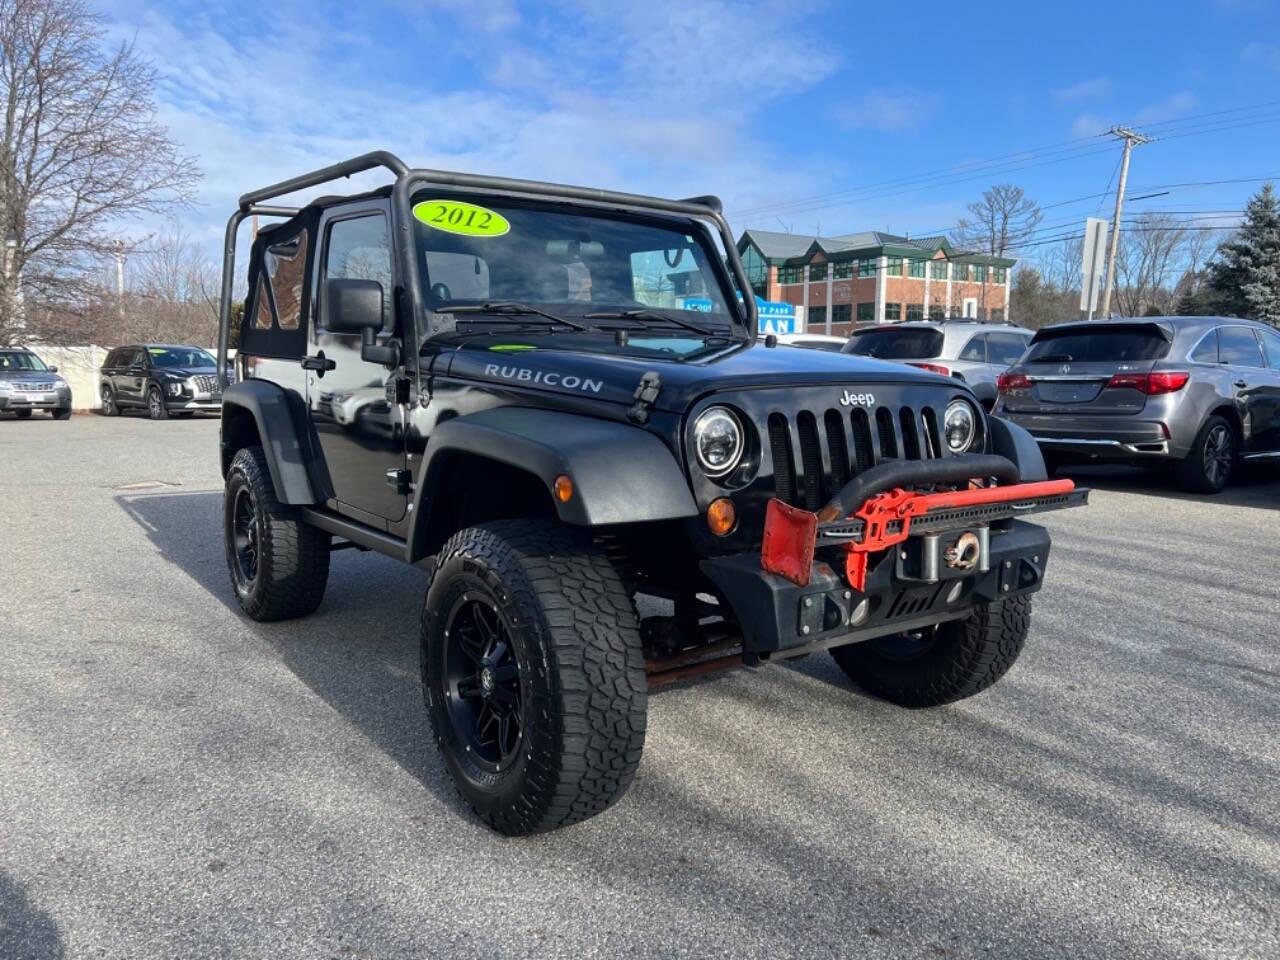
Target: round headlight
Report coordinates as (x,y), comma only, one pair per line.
(960,425)
(717,441)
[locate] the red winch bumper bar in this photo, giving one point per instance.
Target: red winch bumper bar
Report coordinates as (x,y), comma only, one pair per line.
(888,518)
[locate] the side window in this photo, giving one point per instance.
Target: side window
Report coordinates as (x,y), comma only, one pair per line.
(1005,348)
(1271,347)
(1206,350)
(278,299)
(975,349)
(360,249)
(1238,346)
(111,358)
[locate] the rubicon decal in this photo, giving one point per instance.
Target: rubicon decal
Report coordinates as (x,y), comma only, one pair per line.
(550,378)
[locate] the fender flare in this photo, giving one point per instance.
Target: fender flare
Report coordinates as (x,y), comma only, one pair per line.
(1014,443)
(620,473)
(286,435)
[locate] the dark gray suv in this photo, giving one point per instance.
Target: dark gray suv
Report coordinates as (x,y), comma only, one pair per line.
(1201,391)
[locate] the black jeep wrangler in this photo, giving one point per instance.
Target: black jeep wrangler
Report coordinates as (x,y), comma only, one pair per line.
(552,399)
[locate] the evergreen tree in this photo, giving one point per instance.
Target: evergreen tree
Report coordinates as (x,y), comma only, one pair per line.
(1244,279)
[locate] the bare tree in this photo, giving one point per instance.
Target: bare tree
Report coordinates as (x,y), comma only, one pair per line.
(81,152)
(1062,264)
(1002,221)
(1149,257)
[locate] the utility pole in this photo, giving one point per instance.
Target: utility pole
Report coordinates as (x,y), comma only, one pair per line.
(1130,137)
(120,277)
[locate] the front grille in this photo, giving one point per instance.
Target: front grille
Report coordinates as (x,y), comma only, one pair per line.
(205,383)
(814,456)
(29,387)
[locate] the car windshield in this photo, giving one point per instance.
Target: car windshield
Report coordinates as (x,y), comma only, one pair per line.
(641,273)
(910,343)
(1103,345)
(180,357)
(20,360)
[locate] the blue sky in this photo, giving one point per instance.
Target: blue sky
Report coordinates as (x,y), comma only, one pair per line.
(766,104)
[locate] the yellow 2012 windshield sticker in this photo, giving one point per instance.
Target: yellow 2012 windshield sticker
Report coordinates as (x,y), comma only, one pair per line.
(455,216)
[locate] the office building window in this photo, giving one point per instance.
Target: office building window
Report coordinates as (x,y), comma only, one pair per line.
(980,273)
(937,313)
(841,313)
(915,268)
(817,316)
(790,274)
(866,268)
(817,271)
(866,312)
(959,272)
(893,311)
(894,267)
(915,311)
(842,270)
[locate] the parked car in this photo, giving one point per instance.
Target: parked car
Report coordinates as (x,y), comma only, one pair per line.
(161,379)
(968,350)
(813,341)
(27,384)
(1202,392)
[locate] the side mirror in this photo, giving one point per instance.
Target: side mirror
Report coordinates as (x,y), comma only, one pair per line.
(53,369)
(355,306)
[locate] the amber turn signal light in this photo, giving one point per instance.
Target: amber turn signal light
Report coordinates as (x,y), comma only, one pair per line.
(563,488)
(721,516)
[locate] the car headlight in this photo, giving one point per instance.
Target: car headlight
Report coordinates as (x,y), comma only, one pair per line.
(960,425)
(717,441)
(175,388)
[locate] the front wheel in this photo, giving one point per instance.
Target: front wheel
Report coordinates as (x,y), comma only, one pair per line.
(279,564)
(533,674)
(155,404)
(62,414)
(942,663)
(1212,459)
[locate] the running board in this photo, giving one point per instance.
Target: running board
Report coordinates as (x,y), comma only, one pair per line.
(358,533)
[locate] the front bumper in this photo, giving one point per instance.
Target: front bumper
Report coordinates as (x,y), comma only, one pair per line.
(57,400)
(776,614)
(179,404)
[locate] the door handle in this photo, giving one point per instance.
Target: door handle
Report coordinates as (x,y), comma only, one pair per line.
(319,362)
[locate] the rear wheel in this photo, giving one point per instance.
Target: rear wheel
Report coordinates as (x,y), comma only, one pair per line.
(1212,460)
(109,407)
(942,663)
(533,674)
(279,565)
(155,404)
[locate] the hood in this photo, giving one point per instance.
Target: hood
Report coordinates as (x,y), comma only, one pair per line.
(33,376)
(614,376)
(183,372)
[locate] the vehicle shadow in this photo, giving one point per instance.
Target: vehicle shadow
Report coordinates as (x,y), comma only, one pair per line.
(26,931)
(1254,485)
(358,651)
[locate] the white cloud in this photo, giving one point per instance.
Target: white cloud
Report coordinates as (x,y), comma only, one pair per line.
(1178,105)
(1088,125)
(1084,90)
(634,97)
(896,111)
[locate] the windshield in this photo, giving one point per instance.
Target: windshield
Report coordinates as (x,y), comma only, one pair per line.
(1098,346)
(567,263)
(21,361)
(180,357)
(912,343)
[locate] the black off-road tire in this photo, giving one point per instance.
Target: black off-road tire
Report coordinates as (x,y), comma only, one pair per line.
(291,557)
(575,639)
(955,660)
(22,414)
(1195,473)
(109,406)
(156,409)
(62,414)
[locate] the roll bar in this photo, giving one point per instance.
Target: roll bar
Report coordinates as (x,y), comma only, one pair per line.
(251,203)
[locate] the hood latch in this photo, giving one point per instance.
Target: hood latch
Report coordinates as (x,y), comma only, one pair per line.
(642,400)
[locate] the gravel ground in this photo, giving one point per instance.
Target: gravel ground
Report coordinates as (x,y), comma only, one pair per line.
(176,781)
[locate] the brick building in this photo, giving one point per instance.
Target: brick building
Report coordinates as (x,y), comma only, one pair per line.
(874,277)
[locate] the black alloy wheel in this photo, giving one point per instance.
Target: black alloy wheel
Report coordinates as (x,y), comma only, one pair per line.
(245,535)
(482,682)
(109,408)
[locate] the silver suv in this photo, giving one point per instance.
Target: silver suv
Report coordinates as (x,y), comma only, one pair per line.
(1201,391)
(974,352)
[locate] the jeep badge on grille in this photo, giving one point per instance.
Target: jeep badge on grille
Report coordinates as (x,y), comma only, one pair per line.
(858,399)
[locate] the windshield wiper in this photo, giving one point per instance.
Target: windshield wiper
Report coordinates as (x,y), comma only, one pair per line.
(651,316)
(509,308)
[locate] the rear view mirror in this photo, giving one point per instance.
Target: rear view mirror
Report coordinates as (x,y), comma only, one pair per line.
(355,306)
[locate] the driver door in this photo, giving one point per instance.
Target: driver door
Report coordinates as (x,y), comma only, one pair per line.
(352,402)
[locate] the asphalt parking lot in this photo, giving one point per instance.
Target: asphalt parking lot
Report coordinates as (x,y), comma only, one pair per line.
(177,781)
